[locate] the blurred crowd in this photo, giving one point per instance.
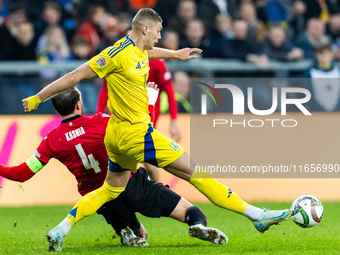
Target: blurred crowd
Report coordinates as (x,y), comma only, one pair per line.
(255,31)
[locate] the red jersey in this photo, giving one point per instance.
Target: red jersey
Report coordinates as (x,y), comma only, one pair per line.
(158,74)
(78,143)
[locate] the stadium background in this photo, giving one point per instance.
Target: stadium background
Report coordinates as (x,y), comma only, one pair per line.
(41,40)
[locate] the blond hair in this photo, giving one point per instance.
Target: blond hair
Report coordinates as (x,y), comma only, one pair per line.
(50,45)
(144,15)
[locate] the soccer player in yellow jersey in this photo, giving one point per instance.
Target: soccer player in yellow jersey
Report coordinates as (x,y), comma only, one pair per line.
(130,137)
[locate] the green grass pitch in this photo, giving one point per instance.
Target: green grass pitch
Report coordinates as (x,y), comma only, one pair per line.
(23,230)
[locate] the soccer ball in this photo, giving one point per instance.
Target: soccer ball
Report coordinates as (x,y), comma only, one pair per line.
(307,211)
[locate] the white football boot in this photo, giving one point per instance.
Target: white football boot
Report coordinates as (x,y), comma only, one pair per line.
(268,218)
(55,238)
(213,235)
(127,237)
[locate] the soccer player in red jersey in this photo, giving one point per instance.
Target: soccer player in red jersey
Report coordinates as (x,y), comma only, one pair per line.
(78,143)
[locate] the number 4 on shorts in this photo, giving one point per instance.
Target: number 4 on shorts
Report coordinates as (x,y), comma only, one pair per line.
(88,165)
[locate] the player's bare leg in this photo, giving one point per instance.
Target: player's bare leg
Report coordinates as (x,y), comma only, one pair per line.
(118,179)
(152,171)
(180,210)
(187,213)
(186,168)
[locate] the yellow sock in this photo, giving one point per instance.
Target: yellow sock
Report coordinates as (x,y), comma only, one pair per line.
(92,201)
(216,192)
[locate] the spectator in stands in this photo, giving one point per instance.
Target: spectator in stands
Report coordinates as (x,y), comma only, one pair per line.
(91,28)
(333,30)
(325,83)
(276,47)
(221,32)
(297,23)
(274,13)
(53,46)
(256,28)
(182,89)
(208,9)
(113,7)
(9,29)
(51,16)
(223,24)
(170,40)
(186,11)
(111,33)
(167,10)
(124,21)
(333,27)
(24,46)
(313,37)
(81,50)
(196,36)
(240,48)
(319,9)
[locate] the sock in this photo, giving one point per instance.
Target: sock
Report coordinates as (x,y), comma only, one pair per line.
(216,192)
(253,212)
(65,226)
(195,216)
(92,201)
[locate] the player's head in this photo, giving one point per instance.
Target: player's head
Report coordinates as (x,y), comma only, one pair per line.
(68,102)
(148,24)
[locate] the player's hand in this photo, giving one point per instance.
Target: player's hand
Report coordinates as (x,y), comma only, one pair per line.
(31,104)
(185,54)
(153,91)
(175,131)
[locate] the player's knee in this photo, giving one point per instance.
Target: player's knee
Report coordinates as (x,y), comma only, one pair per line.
(194,216)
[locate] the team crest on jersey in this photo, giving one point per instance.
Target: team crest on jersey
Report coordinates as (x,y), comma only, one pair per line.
(101,62)
(174,146)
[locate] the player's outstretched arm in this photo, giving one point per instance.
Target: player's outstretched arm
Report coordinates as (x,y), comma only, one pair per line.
(182,54)
(23,172)
(84,72)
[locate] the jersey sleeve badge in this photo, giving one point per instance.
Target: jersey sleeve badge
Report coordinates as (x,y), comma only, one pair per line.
(101,62)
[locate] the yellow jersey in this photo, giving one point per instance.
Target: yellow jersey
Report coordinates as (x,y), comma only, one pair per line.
(126,69)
